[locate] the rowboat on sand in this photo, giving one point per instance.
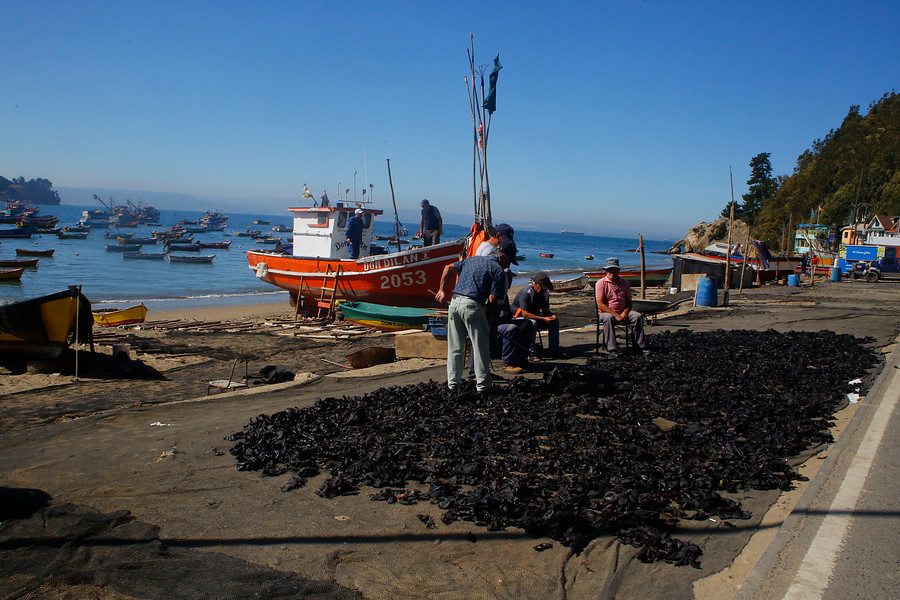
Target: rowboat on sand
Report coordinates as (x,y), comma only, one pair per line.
(653,277)
(19,262)
(385,318)
(11,274)
(39,253)
(42,328)
(112,317)
(570,285)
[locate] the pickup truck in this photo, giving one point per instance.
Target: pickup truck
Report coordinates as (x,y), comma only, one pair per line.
(882,268)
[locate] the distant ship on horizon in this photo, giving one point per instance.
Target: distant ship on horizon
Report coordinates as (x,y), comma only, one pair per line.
(572,232)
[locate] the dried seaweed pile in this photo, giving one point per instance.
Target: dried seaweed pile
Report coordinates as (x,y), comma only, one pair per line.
(627,446)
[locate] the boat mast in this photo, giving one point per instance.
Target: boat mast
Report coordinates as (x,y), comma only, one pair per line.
(482,106)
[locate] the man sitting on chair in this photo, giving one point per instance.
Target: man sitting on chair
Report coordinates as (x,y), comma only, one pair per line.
(613,296)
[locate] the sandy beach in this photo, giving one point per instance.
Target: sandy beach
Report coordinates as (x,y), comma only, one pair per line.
(149,441)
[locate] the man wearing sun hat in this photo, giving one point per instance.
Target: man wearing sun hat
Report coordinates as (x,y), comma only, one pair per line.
(613,296)
(354,233)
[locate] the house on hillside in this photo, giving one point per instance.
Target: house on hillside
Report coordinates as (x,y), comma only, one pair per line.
(883,230)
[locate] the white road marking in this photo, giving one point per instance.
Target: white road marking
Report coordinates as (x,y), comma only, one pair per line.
(815,571)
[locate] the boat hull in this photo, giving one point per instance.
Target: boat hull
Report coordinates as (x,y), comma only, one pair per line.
(111,317)
(11,274)
(385,318)
(409,278)
(42,328)
(653,277)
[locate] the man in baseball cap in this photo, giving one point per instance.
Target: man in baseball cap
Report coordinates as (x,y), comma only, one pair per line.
(533,302)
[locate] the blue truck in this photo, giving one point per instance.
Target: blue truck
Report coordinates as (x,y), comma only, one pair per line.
(873,262)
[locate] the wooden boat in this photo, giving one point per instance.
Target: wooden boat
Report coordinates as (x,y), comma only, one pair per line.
(199,229)
(112,317)
(40,253)
(520,257)
(11,274)
(123,247)
(183,247)
(19,262)
(151,241)
(76,229)
(653,277)
(589,257)
(545,255)
(17,232)
(147,256)
(282,229)
(260,222)
(406,278)
(570,285)
(385,318)
(42,328)
(191,259)
(74,235)
(219,245)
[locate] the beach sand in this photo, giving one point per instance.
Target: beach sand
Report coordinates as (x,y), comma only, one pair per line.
(153,444)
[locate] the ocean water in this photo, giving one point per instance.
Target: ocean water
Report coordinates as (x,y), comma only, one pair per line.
(107,279)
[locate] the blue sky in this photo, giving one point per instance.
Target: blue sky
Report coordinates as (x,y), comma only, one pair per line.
(612,117)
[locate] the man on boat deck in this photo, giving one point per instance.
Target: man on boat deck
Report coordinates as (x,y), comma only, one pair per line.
(354,233)
(431,225)
(480,283)
(533,303)
(613,296)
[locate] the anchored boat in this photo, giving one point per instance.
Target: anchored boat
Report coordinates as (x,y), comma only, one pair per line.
(112,317)
(321,265)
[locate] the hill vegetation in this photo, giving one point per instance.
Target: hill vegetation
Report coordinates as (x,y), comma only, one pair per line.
(851,173)
(33,191)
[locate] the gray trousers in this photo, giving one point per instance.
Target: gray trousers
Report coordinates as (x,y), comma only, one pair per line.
(431,237)
(609,322)
(468,318)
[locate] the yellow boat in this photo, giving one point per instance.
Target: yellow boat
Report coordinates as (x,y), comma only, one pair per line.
(42,328)
(111,317)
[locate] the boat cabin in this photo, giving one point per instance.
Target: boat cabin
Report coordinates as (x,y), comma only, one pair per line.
(321,231)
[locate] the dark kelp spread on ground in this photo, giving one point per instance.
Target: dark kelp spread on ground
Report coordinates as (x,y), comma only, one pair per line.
(626,446)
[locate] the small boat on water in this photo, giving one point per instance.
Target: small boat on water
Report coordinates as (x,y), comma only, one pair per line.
(151,241)
(183,247)
(207,259)
(42,328)
(385,318)
(219,245)
(18,232)
(521,257)
(570,285)
(567,232)
(11,274)
(248,233)
(545,255)
(76,229)
(282,229)
(29,252)
(112,317)
(74,235)
(260,222)
(19,262)
(589,257)
(143,256)
(123,247)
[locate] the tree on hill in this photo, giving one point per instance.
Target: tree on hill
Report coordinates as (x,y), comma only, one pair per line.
(33,191)
(738,211)
(852,171)
(762,186)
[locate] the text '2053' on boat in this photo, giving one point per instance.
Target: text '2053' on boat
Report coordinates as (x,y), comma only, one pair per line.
(42,328)
(385,318)
(112,317)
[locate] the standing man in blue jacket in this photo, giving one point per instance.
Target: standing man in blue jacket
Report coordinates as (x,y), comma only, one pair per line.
(354,233)
(431,224)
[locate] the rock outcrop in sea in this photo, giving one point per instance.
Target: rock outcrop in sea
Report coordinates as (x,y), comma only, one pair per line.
(702,235)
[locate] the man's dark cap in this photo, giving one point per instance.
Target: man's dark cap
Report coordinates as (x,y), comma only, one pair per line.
(505,230)
(508,247)
(542,279)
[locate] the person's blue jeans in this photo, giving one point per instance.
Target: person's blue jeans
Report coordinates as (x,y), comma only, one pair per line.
(514,338)
(467,318)
(354,250)
(552,334)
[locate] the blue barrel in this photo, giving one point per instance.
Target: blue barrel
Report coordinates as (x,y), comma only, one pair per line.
(835,274)
(793,280)
(707,294)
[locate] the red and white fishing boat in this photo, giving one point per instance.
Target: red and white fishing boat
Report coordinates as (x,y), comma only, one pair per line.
(321,259)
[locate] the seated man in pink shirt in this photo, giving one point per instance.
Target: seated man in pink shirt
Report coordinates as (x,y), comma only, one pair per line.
(613,296)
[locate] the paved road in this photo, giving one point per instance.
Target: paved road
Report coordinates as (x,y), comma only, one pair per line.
(842,539)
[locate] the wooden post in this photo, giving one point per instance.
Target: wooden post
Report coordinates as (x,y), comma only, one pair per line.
(394,200)
(746,258)
(730,228)
(643,280)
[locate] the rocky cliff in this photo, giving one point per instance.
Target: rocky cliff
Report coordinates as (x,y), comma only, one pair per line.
(702,235)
